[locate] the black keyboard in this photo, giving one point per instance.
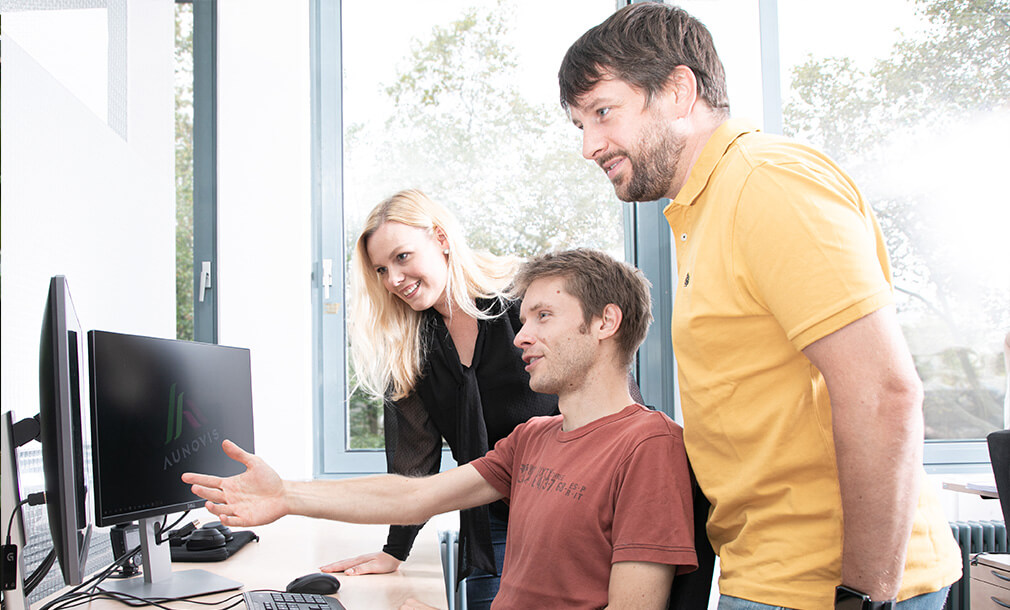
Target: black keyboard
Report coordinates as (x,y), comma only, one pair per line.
(275,600)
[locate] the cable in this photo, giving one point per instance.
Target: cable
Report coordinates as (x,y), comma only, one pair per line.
(34,499)
(10,523)
(91,583)
(177,521)
(89,590)
(30,583)
(162,529)
(82,598)
(40,572)
(159,603)
(75,596)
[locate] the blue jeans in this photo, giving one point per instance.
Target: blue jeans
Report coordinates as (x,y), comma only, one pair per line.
(927,601)
(481,587)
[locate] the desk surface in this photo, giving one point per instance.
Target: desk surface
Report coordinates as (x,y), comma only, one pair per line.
(987,491)
(996,560)
(295,546)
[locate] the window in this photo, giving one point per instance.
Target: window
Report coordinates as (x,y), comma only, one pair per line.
(184,170)
(196,296)
(910,112)
(460,100)
(906,97)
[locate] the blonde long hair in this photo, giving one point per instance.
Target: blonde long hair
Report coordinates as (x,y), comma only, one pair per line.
(386,342)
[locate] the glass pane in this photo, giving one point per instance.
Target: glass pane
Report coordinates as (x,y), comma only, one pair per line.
(184,171)
(460,99)
(912,103)
(736,32)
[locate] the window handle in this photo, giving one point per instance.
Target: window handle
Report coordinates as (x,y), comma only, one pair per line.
(327,277)
(204,278)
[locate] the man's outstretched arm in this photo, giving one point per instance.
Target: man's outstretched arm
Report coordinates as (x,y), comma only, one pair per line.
(259,495)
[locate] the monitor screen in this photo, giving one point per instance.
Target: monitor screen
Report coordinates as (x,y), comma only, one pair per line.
(161,407)
(63,423)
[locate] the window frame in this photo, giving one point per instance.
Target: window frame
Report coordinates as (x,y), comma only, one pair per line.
(331,458)
(205,310)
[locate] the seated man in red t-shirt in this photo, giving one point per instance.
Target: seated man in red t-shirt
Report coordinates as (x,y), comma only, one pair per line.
(600,496)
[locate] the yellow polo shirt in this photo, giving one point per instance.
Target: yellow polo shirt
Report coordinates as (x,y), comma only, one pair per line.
(776,248)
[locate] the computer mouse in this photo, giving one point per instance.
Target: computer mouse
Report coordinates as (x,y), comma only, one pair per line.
(323,584)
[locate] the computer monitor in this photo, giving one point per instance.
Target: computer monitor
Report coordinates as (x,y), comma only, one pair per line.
(159,408)
(63,422)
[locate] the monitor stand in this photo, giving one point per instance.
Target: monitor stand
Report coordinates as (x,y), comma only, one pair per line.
(159,582)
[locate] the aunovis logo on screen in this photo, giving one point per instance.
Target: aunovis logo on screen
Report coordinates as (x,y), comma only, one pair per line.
(182,415)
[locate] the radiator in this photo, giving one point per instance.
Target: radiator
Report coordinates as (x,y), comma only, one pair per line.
(973,537)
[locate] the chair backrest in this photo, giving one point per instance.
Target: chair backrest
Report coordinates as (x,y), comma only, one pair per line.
(693,590)
(1006,399)
(999,455)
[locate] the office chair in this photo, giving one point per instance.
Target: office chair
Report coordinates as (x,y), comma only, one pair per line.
(448,543)
(999,455)
(1006,399)
(692,591)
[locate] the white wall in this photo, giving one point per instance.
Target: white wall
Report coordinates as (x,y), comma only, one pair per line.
(76,198)
(80,200)
(264,214)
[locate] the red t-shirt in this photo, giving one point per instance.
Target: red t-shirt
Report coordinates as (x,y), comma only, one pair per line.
(616,489)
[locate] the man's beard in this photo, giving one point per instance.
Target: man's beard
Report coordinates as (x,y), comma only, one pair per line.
(568,368)
(653,164)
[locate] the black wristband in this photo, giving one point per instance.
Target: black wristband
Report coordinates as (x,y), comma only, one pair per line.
(850,599)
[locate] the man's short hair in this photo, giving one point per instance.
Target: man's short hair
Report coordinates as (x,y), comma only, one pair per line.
(641,44)
(596,280)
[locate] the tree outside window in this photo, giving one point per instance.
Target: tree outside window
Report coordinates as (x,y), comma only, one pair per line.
(459,125)
(921,132)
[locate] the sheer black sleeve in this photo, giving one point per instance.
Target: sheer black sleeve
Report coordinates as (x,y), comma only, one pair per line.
(413,449)
(634,390)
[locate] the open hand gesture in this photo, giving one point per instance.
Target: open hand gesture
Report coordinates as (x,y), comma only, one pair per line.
(255,497)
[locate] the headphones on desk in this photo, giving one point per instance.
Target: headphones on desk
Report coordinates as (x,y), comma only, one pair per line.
(210,536)
(211,542)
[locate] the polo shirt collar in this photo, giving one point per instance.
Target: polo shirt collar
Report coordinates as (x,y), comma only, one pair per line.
(713,151)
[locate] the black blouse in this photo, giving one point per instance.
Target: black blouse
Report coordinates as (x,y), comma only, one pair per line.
(472,408)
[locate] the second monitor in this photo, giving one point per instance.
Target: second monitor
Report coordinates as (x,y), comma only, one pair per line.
(159,408)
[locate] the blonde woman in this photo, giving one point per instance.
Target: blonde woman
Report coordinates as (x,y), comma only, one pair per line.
(431,333)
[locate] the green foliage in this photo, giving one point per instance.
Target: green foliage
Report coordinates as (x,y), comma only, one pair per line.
(462,131)
(365,415)
(956,73)
(834,98)
(962,64)
(184,171)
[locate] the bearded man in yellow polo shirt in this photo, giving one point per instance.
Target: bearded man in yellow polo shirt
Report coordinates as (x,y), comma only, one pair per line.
(802,408)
